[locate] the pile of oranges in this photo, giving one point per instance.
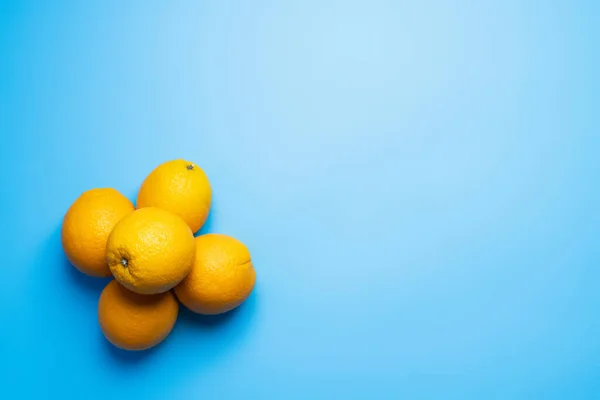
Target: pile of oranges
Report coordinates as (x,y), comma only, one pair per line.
(151,252)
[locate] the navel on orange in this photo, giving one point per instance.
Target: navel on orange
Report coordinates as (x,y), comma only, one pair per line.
(222,276)
(87,225)
(150,250)
(133,321)
(180,187)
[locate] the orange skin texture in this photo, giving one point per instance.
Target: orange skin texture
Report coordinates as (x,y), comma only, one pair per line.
(87,225)
(180,187)
(132,321)
(150,251)
(222,277)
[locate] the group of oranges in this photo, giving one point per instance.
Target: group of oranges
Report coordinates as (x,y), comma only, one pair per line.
(151,252)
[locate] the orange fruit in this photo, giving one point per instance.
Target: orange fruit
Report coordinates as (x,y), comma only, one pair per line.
(87,225)
(150,250)
(180,187)
(222,277)
(133,321)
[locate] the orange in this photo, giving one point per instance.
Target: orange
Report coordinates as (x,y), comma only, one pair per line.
(86,226)
(222,277)
(181,187)
(150,250)
(133,321)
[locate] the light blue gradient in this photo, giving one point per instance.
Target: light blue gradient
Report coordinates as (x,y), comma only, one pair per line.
(418,183)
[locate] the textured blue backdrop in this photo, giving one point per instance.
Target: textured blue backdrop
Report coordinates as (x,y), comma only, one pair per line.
(417,181)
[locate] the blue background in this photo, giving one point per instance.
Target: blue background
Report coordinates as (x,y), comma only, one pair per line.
(417,181)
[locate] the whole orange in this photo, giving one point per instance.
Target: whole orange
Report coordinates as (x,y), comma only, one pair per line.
(87,225)
(150,250)
(133,321)
(222,277)
(180,187)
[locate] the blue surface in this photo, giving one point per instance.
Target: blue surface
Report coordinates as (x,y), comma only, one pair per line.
(417,181)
